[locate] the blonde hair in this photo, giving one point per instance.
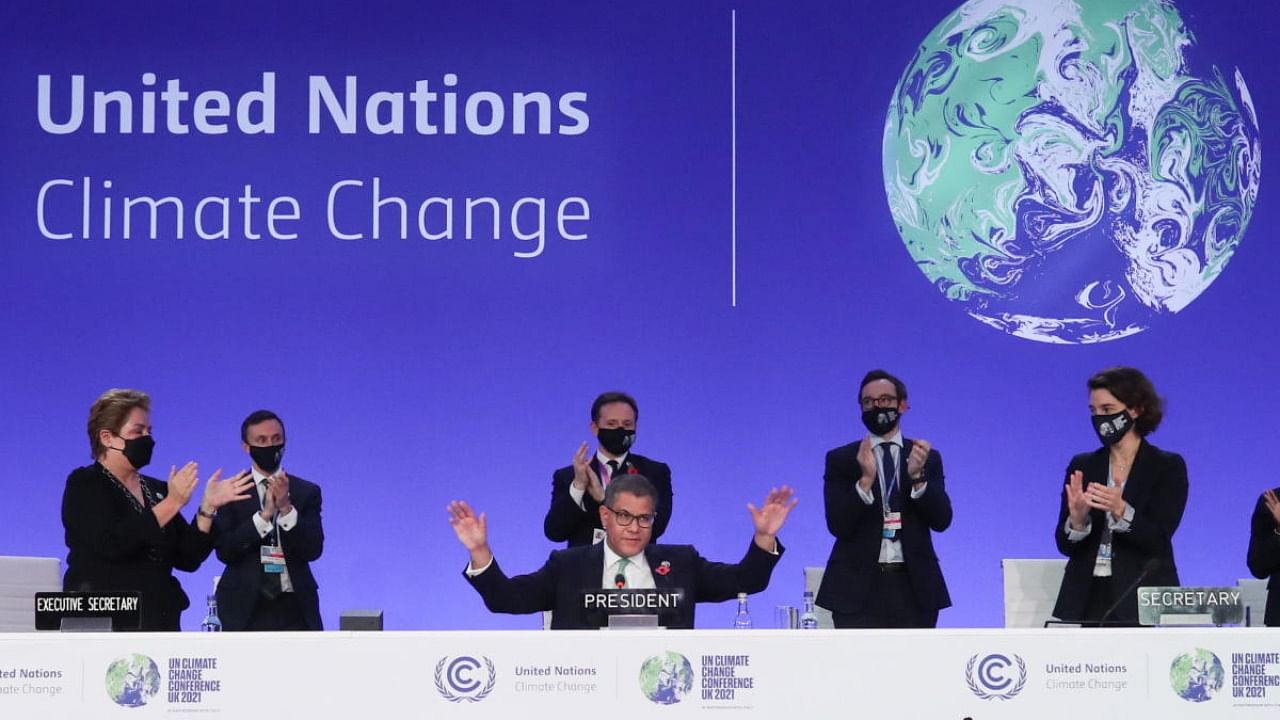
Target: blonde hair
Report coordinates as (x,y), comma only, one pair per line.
(110,412)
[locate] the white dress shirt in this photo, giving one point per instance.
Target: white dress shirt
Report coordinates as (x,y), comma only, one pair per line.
(637,572)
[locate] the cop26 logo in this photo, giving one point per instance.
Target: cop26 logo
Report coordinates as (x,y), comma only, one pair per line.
(994,676)
(133,680)
(457,681)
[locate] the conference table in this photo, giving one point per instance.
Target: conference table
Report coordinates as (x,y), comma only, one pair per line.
(946,673)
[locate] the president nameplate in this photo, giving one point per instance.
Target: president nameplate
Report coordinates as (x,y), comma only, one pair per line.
(632,601)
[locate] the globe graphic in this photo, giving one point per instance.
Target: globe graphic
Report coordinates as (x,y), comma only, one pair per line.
(1196,676)
(667,678)
(1070,172)
(133,680)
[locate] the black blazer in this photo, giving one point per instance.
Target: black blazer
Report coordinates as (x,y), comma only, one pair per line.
(1264,558)
(1157,490)
(566,522)
(238,543)
(857,527)
(112,546)
(558,585)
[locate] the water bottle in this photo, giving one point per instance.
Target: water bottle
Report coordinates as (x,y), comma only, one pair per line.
(742,621)
(211,622)
(809,620)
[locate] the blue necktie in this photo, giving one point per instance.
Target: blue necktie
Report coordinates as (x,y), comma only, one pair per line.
(892,495)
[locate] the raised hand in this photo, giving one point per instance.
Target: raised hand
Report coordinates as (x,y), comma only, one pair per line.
(472,529)
(1273,504)
(915,461)
(182,482)
(1077,506)
(867,462)
(772,514)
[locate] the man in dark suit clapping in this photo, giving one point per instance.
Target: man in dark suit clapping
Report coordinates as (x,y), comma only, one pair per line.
(577,490)
(885,497)
(269,540)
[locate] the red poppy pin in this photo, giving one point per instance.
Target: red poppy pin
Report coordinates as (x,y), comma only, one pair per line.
(663,568)
(632,470)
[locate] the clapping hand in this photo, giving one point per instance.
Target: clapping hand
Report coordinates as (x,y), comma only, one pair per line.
(278,489)
(867,463)
(915,461)
(1077,505)
(182,482)
(584,478)
(1110,499)
(220,492)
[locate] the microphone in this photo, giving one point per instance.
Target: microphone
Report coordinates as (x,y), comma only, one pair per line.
(619,581)
(1149,567)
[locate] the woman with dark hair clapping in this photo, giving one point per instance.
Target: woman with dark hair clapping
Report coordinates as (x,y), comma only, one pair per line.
(1120,506)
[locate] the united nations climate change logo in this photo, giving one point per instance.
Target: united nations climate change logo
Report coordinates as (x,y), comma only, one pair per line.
(996,676)
(132,681)
(667,678)
(1197,675)
(459,679)
(1068,171)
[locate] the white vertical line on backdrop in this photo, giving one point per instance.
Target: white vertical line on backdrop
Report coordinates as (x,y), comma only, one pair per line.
(733,172)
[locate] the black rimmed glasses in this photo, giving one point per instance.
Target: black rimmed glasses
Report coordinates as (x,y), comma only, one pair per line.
(881,401)
(625,518)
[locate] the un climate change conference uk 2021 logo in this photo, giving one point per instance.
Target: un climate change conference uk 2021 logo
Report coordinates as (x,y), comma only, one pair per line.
(1069,172)
(667,678)
(995,676)
(459,679)
(133,680)
(1197,676)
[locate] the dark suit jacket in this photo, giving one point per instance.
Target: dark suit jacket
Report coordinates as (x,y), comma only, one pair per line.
(1264,558)
(558,585)
(566,522)
(857,526)
(112,546)
(1157,490)
(238,543)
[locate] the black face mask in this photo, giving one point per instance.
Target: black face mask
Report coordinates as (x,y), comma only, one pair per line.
(138,450)
(616,441)
(267,457)
(880,421)
(1111,428)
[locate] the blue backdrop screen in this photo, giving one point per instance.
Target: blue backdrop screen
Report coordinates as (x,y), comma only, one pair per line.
(428,234)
